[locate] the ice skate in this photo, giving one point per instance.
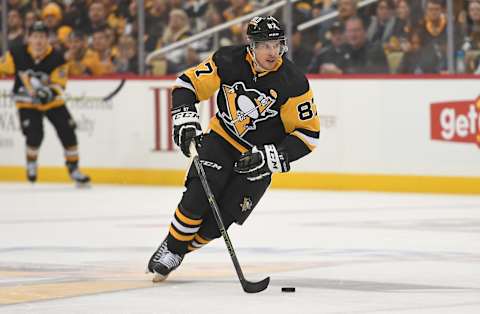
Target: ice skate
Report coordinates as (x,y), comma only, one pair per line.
(32,171)
(163,262)
(156,256)
(78,177)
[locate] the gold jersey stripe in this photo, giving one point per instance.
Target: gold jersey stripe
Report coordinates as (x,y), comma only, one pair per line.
(180,237)
(53,104)
(186,220)
(215,126)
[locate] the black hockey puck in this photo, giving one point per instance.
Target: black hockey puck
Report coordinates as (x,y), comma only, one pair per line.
(288,289)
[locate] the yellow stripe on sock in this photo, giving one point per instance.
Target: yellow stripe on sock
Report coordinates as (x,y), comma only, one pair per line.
(186,220)
(192,248)
(200,240)
(180,237)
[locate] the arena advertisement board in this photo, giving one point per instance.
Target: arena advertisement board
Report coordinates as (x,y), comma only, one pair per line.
(374,126)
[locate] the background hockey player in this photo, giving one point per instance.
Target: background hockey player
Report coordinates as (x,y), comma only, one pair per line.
(266,119)
(40,79)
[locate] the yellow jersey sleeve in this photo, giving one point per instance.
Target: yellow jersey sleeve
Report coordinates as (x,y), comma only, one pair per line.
(7,66)
(300,118)
(58,78)
(204,79)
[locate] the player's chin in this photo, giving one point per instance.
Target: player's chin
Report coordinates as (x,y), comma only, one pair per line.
(269,64)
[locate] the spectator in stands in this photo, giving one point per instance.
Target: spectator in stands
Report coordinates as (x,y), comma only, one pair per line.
(196,11)
(302,53)
(403,24)
(15,29)
(433,27)
(30,18)
(381,25)
(21,6)
(81,60)
(126,60)
(178,28)
(103,50)
(175,4)
(473,25)
(155,23)
(418,59)
(346,9)
(236,9)
(57,33)
(332,58)
(363,57)
(471,43)
(97,18)
(433,31)
(75,14)
(189,60)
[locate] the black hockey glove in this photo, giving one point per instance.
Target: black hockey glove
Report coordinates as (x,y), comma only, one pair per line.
(261,162)
(45,94)
(186,126)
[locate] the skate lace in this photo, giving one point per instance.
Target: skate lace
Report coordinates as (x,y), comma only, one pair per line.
(171,260)
(160,251)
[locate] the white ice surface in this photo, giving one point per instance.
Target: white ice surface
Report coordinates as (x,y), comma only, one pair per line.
(344,252)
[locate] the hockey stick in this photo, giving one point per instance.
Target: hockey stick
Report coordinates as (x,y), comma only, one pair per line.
(248,286)
(93,98)
(31,91)
(115,91)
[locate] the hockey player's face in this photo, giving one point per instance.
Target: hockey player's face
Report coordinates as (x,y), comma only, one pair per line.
(38,42)
(267,53)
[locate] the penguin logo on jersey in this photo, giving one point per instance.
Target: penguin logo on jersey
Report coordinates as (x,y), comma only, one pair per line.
(247,107)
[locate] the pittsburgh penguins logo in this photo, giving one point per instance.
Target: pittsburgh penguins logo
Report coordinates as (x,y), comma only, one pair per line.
(37,79)
(246,107)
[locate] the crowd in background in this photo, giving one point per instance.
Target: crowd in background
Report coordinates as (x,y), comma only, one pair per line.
(99,37)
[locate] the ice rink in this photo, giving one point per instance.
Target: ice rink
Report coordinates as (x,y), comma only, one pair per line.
(69,250)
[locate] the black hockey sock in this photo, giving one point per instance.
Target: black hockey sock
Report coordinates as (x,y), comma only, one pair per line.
(182,231)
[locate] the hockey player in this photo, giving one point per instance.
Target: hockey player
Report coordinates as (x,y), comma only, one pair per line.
(40,79)
(266,119)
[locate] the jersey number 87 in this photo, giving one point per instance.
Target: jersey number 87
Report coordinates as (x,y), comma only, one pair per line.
(305,111)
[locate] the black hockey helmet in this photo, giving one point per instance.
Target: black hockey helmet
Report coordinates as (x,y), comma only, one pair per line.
(38,26)
(265,28)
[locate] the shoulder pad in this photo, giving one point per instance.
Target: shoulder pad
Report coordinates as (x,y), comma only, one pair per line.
(228,55)
(296,78)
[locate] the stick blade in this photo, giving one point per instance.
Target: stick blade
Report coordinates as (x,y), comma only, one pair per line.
(255,287)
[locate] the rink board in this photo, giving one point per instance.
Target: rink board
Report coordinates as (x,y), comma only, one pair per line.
(392,134)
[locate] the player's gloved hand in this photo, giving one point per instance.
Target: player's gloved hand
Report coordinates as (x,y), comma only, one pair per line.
(186,127)
(45,94)
(258,163)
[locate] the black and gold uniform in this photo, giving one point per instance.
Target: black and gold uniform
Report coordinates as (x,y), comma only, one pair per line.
(265,120)
(38,91)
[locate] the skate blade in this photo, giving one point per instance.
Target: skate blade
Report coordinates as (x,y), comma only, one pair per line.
(158,278)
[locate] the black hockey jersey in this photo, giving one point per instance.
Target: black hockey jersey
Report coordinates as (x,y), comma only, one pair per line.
(273,107)
(50,71)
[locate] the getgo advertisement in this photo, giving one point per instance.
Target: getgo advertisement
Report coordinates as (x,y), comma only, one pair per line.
(456,121)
